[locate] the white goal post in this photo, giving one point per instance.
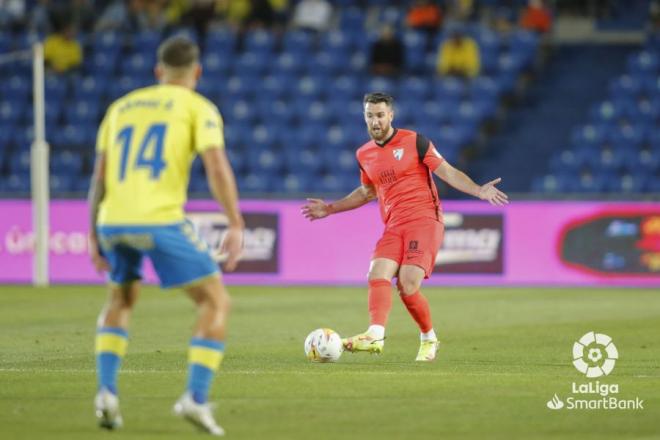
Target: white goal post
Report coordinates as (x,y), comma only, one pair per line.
(40,173)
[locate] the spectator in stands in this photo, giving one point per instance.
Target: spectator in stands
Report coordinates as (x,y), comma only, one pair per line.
(459,56)
(235,12)
(62,53)
(199,14)
(536,17)
(12,14)
(424,15)
(123,16)
(313,15)
(261,15)
(83,15)
(387,56)
(156,15)
(40,18)
(280,12)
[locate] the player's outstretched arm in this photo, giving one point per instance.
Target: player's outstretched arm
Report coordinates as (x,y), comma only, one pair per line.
(316,209)
(94,199)
(223,187)
(462,182)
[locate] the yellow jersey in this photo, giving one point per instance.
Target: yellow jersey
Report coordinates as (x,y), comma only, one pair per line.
(150,138)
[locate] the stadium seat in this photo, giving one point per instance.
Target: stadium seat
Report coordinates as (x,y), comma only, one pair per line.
(259,42)
(220,42)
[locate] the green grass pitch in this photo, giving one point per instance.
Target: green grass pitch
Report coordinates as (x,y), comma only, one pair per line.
(505,353)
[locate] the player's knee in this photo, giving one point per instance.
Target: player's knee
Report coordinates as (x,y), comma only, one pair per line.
(408,285)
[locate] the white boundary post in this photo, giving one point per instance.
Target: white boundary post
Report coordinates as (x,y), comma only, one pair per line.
(39,173)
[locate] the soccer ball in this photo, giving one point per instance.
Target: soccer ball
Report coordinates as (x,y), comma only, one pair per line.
(323,345)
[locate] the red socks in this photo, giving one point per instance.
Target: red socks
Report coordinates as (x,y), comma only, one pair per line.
(418,307)
(380,301)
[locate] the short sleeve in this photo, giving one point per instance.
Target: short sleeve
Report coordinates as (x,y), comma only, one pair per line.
(102,137)
(433,158)
(208,128)
(427,153)
(364,178)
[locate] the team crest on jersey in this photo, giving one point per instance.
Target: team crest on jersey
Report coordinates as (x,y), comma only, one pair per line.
(398,153)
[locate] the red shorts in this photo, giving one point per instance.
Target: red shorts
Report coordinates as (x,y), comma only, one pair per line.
(414,243)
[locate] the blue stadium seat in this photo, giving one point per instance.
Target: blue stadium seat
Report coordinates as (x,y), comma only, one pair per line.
(215,65)
(252,64)
(645,62)
(324,63)
(448,89)
(185,31)
(16,88)
(278,110)
(138,65)
(625,86)
(145,42)
(298,42)
(14,111)
(414,88)
(109,43)
(220,42)
(61,183)
(590,134)
(300,161)
(484,87)
(352,19)
(259,42)
(293,183)
(254,183)
(16,183)
(6,137)
(237,158)
(89,88)
(19,163)
(82,112)
(288,64)
(382,84)
(55,87)
(23,137)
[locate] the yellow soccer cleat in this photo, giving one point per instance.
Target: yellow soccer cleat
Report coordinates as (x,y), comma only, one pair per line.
(363,342)
(427,350)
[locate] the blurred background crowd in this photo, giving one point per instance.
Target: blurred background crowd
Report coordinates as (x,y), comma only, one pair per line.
(558,97)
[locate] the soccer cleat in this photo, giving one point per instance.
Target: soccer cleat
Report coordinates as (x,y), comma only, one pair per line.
(427,350)
(363,342)
(199,414)
(107,410)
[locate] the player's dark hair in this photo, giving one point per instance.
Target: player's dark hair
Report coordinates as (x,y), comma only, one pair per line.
(377,98)
(177,52)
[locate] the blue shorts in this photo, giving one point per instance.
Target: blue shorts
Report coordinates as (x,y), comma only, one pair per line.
(177,253)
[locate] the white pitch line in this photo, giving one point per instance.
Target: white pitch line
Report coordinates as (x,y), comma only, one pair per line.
(318,372)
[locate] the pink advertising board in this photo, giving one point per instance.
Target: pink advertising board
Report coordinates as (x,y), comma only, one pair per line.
(525,243)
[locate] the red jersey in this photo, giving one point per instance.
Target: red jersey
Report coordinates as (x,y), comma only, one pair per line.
(401,171)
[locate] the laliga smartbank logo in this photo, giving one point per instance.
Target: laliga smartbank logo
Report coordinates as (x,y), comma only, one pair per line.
(594,355)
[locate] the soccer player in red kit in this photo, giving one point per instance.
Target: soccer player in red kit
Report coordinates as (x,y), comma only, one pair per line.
(396,167)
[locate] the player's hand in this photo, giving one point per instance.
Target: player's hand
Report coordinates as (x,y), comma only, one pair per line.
(98,260)
(231,247)
(493,195)
(315,209)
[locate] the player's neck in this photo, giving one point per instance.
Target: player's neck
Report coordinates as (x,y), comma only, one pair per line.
(181,82)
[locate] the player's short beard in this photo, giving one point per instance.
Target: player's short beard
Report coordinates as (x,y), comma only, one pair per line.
(383,133)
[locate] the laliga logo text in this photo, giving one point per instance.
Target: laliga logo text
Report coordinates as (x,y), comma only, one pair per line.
(594,355)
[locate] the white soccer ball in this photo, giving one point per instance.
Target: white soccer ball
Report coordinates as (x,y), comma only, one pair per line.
(323,345)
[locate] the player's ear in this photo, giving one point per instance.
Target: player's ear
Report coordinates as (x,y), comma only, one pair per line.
(198,71)
(158,72)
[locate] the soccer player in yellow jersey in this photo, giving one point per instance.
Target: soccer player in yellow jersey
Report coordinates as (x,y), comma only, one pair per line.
(145,147)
